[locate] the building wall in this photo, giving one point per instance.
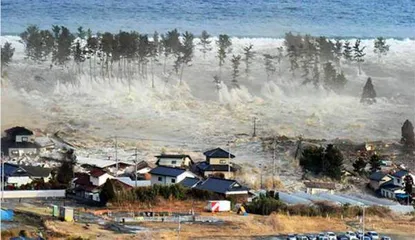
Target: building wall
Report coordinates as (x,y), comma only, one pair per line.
(318,190)
(390,194)
(100,180)
(376,184)
(228,175)
(23,138)
(170,162)
(166,180)
(18,181)
(17,152)
(218,161)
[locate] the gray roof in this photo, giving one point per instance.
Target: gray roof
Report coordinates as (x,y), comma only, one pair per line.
(173,156)
(218,153)
(377,176)
(220,185)
(205,166)
(189,182)
(400,173)
(35,171)
(167,171)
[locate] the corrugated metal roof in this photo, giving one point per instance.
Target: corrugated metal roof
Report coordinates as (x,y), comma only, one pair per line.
(189,182)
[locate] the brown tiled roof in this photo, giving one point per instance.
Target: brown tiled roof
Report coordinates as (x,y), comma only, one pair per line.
(82,179)
(97,172)
(325,185)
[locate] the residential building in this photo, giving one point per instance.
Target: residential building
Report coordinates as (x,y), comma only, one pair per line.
(190,182)
(169,175)
(399,176)
(225,187)
(319,187)
(17,176)
(19,134)
(98,177)
(88,185)
(104,164)
(218,163)
(44,144)
(390,190)
(129,183)
(174,160)
(377,179)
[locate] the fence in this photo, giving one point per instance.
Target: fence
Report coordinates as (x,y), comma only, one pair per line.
(33,193)
(189,218)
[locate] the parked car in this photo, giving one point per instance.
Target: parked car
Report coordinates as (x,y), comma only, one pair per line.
(386,238)
(359,235)
(291,237)
(351,235)
(373,235)
(342,237)
(301,237)
(331,236)
(311,237)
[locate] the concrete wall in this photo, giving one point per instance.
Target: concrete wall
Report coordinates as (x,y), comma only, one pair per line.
(318,190)
(170,162)
(33,193)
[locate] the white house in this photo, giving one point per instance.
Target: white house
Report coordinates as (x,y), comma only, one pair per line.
(98,177)
(169,175)
(16,175)
(174,160)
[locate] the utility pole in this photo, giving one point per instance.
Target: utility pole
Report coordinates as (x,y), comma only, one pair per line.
(136,160)
(2,177)
(363,223)
(229,158)
(254,134)
(273,164)
(260,168)
(116,155)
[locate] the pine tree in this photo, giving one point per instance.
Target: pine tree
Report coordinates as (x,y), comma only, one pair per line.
(236,60)
(81,33)
(187,51)
(374,162)
(279,57)
(205,43)
(293,57)
(78,55)
(224,43)
(311,159)
(332,162)
(409,183)
(63,45)
(407,131)
(7,53)
(359,165)
(381,48)
(329,75)
(358,54)
(340,81)
(65,172)
(32,40)
(347,52)
(107,193)
(369,93)
(107,41)
(249,56)
(270,68)
(338,46)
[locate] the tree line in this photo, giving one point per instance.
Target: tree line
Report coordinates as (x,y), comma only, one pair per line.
(126,56)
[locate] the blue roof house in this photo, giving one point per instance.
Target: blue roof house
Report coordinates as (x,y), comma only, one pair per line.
(169,175)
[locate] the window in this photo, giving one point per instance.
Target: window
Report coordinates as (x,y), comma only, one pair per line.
(160,179)
(173,180)
(398,180)
(222,161)
(24,139)
(173,162)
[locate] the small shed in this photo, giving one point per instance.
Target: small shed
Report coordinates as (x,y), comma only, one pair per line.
(319,187)
(66,214)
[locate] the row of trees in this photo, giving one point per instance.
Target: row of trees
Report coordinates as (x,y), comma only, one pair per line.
(327,162)
(126,55)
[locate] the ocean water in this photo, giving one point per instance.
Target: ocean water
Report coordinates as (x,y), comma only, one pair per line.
(241,18)
(196,111)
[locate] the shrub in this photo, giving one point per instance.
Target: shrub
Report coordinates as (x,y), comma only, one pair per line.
(265,205)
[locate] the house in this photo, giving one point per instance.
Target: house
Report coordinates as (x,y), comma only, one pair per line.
(190,182)
(19,134)
(14,175)
(377,179)
(225,187)
(390,190)
(106,165)
(399,176)
(169,175)
(174,160)
(218,163)
(17,176)
(88,185)
(18,149)
(319,187)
